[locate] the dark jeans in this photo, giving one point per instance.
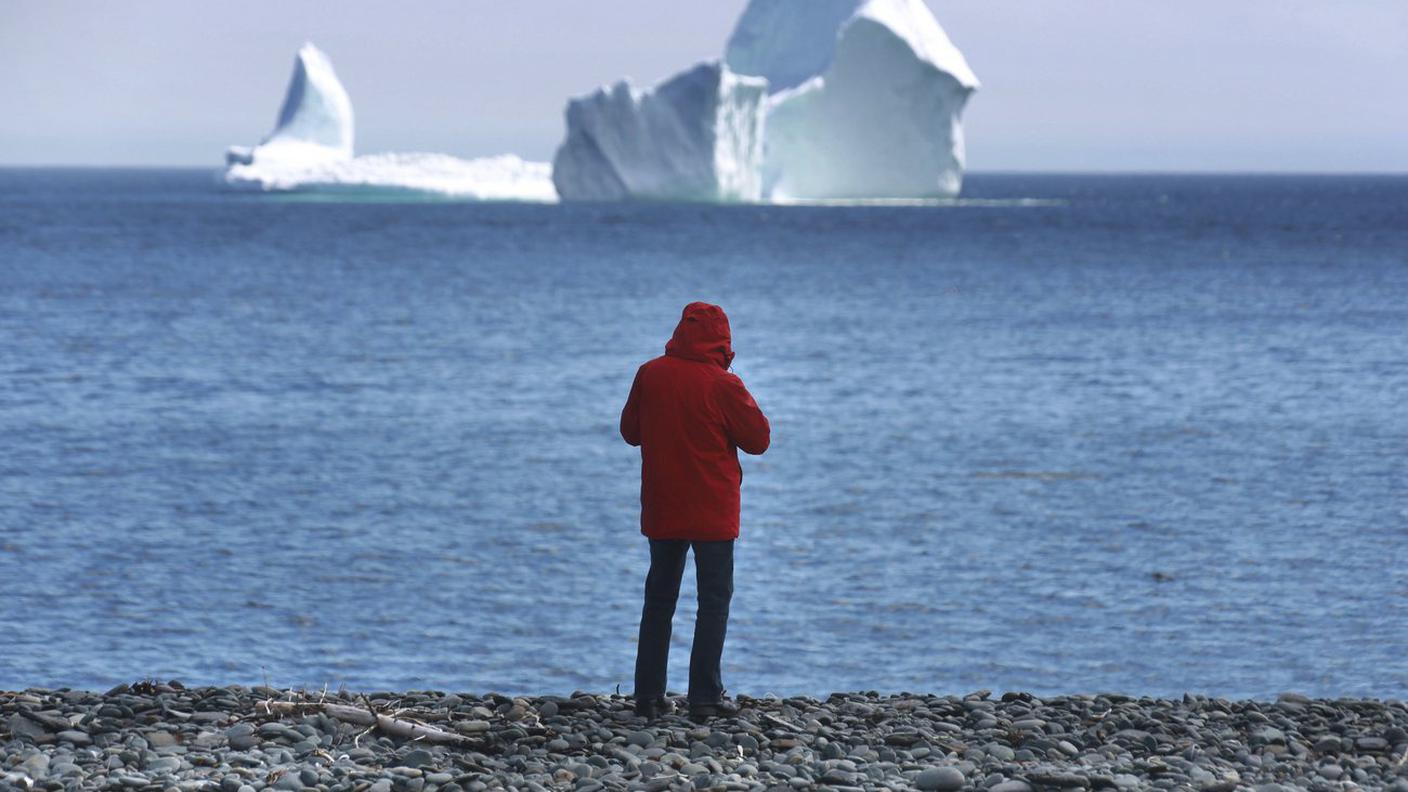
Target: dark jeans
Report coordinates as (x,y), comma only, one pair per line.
(713,570)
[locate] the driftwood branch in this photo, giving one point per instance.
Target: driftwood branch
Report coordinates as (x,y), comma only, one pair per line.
(779,722)
(401,728)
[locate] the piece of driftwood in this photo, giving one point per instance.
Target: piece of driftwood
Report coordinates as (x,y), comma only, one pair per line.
(776,721)
(394,727)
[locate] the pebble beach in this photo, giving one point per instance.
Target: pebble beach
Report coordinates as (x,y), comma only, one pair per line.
(167,736)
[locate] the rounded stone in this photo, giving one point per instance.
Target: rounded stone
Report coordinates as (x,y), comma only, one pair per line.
(1000,752)
(290,781)
(418,757)
(1331,772)
(166,764)
(940,779)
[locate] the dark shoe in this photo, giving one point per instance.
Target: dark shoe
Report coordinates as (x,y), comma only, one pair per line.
(654,708)
(722,708)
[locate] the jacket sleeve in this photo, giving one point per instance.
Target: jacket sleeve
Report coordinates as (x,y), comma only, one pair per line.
(744,422)
(630,415)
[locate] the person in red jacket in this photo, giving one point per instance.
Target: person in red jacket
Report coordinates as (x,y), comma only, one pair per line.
(689,414)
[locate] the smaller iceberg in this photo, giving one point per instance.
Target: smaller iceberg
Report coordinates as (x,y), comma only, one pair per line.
(698,136)
(310,150)
(315,123)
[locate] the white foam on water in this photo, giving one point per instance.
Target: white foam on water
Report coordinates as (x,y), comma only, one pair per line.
(501,178)
(995,203)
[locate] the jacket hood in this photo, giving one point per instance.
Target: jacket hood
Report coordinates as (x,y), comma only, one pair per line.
(702,335)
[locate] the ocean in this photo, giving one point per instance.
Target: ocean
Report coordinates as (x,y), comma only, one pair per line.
(1071,433)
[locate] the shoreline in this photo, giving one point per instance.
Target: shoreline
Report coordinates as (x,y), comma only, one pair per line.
(165,736)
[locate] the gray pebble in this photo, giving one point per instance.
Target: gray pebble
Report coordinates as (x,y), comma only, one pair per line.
(36,766)
(418,757)
(939,779)
(1372,744)
(289,781)
(22,725)
(165,764)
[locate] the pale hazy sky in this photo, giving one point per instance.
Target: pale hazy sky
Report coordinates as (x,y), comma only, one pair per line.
(1318,85)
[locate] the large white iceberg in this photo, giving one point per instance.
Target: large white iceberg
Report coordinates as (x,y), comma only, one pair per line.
(310,149)
(868,100)
(698,136)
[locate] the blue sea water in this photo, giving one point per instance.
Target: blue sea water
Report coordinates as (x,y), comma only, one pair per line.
(1074,433)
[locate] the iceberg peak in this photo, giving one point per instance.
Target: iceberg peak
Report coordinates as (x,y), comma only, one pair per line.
(912,21)
(791,41)
(315,121)
(785,41)
(867,100)
(316,107)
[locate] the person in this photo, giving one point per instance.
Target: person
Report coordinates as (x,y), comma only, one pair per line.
(689,415)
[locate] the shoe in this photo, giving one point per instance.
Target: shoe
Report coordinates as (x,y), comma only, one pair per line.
(651,709)
(722,708)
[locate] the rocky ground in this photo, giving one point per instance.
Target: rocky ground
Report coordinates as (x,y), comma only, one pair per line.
(164,736)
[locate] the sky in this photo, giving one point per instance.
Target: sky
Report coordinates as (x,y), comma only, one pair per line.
(1068,85)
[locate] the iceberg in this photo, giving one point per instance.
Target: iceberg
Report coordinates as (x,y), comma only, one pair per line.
(315,123)
(698,136)
(867,98)
(310,150)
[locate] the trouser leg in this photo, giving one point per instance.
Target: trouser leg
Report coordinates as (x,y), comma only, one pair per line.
(662,589)
(713,565)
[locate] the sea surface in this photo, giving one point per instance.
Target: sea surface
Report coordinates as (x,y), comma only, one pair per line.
(1145,434)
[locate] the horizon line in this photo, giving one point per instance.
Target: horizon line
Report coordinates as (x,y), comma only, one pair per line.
(4,166)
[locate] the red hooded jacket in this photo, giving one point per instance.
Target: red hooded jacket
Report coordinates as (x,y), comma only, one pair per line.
(690,416)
